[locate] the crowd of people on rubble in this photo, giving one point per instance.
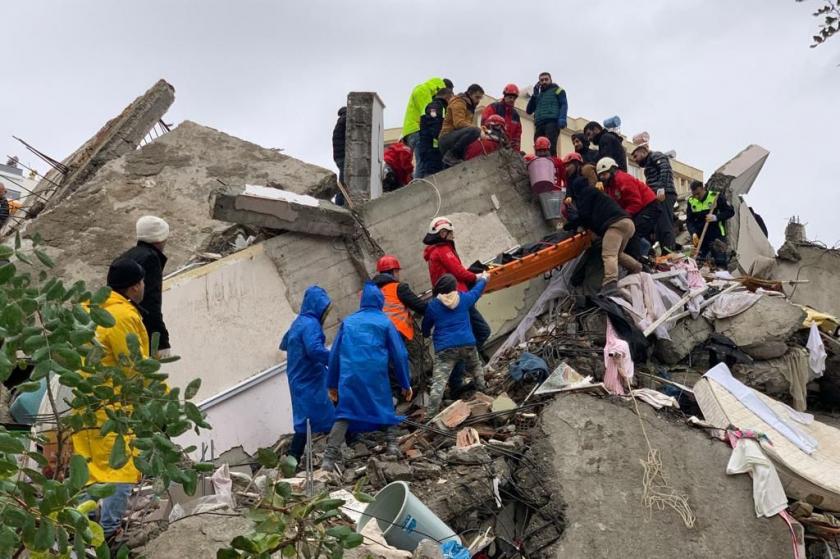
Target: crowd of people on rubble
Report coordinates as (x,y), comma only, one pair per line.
(630,216)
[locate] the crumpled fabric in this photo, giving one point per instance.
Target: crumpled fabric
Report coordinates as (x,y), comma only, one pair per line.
(656,399)
(730,304)
(646,304)
(816,351)
(454,550)
(528,367)
(796,373)
(768,494)
(617,362)
(689,279)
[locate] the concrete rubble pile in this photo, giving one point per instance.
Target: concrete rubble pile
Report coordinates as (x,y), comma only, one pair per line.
(551,460)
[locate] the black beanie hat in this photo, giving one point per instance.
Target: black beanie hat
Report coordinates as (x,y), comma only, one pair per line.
(446,284)
(124,273)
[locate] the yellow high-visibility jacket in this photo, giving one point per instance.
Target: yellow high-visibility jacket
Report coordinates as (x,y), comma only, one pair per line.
(88,443)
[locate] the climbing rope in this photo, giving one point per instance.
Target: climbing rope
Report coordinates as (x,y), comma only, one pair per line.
(656,491)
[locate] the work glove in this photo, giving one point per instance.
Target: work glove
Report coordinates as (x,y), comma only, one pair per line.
(660,194)
(711,218)
(477,267)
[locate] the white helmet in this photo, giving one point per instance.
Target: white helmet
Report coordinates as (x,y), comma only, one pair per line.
(439,224)
(605,164)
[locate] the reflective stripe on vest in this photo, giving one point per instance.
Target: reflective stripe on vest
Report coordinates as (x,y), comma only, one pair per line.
(397,312)
(705,205)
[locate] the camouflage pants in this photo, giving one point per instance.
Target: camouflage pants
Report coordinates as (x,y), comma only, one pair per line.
(445,361)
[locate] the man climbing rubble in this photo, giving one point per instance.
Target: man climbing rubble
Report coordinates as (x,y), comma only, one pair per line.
(421,96)
(589,208)
(609,143)
(636,199)
(550,107)
(493,138)
(708,212)
(506,108)
(365,348)
(400,302)
(427,150)
(660,179)
(448,316)
(458,129)
(306,368)
(125,278)
(152,233)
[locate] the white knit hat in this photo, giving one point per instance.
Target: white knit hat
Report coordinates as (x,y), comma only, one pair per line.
(152,229)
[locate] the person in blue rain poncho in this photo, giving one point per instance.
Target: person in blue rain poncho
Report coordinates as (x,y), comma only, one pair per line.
(306,368)
(358,380)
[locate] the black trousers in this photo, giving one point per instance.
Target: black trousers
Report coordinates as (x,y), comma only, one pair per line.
(646,222)
(550,130)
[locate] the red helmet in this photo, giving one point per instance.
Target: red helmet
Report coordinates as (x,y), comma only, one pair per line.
(574,156)
(495,120)
(511,89)
(542,143)
(387,263)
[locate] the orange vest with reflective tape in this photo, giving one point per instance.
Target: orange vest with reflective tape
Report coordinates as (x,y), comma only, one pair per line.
(397,312)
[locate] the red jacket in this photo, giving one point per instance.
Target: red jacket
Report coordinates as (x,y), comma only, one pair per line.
(398,156)
(482,146)
(631,194)
(513,125)
(443,259)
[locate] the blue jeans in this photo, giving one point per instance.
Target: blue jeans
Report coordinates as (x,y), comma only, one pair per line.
(411,141)
(112,509)
(481,331)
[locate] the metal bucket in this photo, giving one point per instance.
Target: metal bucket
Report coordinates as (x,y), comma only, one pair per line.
(551,203)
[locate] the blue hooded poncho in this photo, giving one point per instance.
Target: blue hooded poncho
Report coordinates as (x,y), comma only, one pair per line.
(306,364)
(363,348)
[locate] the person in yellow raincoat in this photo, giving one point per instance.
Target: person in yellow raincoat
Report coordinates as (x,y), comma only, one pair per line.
(125,278)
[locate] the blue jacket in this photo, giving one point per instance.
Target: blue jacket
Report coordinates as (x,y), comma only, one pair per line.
(306,364)
(452,326)
(366,344)
(549,104)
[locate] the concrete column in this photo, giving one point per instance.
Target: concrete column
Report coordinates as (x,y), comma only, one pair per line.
(364,146)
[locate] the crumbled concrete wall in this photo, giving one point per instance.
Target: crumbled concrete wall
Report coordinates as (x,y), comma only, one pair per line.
(171,177)
(821,268)
(488,199)
(591,454)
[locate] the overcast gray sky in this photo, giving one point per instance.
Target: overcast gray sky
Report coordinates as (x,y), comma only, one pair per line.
(703,77)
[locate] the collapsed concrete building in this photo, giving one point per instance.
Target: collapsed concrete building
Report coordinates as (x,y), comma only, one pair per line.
(252,228)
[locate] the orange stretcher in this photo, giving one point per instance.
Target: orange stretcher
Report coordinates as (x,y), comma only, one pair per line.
(533,265)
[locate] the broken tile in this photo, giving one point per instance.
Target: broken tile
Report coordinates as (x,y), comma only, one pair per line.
(503,402)
(456,413)
(467,437)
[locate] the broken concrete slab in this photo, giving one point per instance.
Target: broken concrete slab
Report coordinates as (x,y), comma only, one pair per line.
(685,336)
(591,454)
(761,330)
(271,208)
(171,177)
(117,137)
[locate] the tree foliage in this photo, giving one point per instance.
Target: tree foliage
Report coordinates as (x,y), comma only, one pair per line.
(829,17)
(43,506)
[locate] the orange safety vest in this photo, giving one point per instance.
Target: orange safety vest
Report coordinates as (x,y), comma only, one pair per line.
(397,312)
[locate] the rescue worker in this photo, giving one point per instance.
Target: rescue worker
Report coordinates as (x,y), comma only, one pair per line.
(660,179)
(581,145)
(365,348)
(494,138)
(442,258)
(400,302)
(547,176)
(458,129)
(636,199)
(589,208)
(574,165)
(125,278)
(398,167)
(506,108)
(306,367)
(421,96)
(448,315)
(705,206)
(550,107)
(430,160)
(542,148)
(609,143)
(152,233)
(338,143)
